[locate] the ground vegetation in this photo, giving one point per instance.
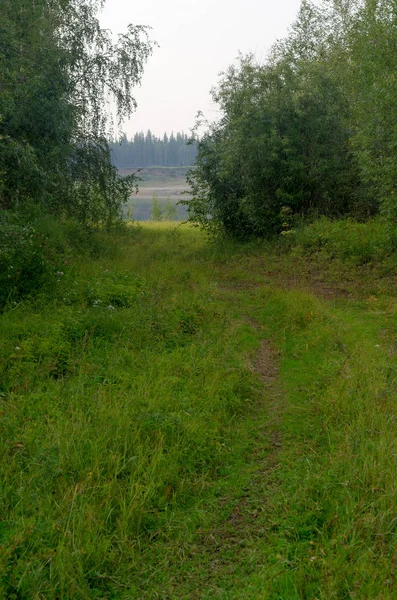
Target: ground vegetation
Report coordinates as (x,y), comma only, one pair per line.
(185,420)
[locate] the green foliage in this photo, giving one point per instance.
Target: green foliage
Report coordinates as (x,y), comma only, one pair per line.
(356,243)
(36,251)
(373,41)
(282,143)
(58,69)
(310,131)
(26,260)
(170,211)
(175,403)
(35,114)
(157,212)
(98,192)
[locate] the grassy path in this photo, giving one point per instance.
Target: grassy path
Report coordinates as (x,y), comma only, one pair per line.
(189,421)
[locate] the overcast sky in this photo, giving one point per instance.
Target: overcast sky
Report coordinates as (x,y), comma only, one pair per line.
(198,40)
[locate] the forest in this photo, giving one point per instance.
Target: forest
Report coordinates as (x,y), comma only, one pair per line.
(149,150)
(200,409)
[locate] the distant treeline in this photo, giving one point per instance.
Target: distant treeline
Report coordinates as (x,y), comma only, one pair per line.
(147,150)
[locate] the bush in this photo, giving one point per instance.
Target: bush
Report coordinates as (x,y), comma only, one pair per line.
(36,251)
(26,259)
(347,240)
(281,147)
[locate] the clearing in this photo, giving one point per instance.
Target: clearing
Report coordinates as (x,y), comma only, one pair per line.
(194,420)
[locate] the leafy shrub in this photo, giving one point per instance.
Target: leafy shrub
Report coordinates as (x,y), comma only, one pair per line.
(36,252)
(357,243)
(157,213)
(279,149)
(26,259)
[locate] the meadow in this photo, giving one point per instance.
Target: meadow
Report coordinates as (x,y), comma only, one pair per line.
(184,418)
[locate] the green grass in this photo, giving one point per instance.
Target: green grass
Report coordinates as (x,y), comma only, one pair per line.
(145,454)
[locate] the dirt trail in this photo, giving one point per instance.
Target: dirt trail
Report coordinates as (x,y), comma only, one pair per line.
(226,547)
(225,550)
(317,288)
(266,366)
(229,554)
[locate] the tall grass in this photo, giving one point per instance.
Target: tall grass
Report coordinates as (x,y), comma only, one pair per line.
(348,240)
(334,526)
(137,459)
(118,402)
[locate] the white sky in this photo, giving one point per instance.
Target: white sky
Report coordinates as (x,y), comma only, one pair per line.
(198,39)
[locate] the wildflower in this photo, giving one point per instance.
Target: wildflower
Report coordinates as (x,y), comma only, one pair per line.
(110,307)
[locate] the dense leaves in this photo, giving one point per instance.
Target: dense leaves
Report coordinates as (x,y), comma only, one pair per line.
(308,133)
(373,83)
(58,69)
